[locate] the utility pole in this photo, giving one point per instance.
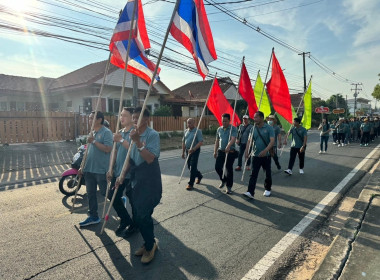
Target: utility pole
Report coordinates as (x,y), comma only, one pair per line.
(304,70)
(356,89)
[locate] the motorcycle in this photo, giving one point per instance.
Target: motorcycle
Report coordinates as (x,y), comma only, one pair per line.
(69,178)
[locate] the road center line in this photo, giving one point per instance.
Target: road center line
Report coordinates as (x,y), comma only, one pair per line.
(268,260)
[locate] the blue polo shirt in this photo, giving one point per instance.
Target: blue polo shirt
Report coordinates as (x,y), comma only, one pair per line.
(151,140)
(121,153)
(365,127)
(298,134)
(244,130)
(266,132)
(189,136)
(223,135)
(97,160)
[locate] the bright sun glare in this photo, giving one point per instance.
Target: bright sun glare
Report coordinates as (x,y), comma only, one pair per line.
(19,6)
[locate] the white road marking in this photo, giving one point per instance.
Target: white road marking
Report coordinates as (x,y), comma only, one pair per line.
(268,260)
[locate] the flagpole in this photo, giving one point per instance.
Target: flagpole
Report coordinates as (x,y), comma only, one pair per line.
(113,157)
(126,162)
(287,135)
(233,117)
(83,163)
(250,137)
(196,131)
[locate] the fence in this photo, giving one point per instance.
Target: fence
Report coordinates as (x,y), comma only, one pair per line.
(28,127)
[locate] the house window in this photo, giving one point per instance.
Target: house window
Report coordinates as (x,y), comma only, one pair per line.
(87,105)
(54,107)
(13,106)
(20,106)
(69,103)
(3,106)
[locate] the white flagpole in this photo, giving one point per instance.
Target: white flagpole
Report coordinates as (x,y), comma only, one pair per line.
(196,131)
(126,162)
(250,137)
(113,156)
(233,118)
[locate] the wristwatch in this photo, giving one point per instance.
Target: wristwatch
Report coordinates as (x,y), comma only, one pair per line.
(140,149)
(121,140)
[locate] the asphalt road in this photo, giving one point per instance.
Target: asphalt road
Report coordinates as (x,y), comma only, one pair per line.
(203,234)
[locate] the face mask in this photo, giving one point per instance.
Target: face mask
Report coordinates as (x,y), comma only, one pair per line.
(270,122)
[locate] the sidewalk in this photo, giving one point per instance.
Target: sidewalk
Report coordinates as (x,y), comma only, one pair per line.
(355,253)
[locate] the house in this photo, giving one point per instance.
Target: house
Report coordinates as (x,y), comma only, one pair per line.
(189,99)
(78,91)
(363,106)
(24,94)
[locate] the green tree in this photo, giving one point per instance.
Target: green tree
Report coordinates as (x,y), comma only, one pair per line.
(163,111)
(376,92)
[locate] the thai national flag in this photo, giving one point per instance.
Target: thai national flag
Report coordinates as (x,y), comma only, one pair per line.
(190,27)
(138,63)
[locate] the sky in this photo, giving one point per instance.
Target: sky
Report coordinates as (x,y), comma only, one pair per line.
(342,35)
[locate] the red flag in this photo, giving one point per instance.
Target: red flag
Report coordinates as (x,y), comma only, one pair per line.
(218,104)
(279,92)
(246,91)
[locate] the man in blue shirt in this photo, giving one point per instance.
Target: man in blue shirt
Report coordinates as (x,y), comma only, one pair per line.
(242,140)
(99,145)
(145,181)
(225,145)
(263,136)
(191,145)
(122,141)
(299,140)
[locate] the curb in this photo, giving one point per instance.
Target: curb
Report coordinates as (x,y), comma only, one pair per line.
(339,252)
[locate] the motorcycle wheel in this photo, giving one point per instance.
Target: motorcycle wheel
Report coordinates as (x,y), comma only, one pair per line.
(68,184)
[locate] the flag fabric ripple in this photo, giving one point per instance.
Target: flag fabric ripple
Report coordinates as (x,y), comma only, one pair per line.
(218,104)
(138,63)
(246,91)
(190,27)
(279,92)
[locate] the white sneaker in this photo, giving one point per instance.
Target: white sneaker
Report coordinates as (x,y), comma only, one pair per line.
(339,145)
(334,143)
(301,171)
(248,194)
(320,152)
(266,193)
(288,171)
(324,152)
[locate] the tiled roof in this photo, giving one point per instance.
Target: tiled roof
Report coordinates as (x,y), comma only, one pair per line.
(83,76)
(201,89)
(24,84)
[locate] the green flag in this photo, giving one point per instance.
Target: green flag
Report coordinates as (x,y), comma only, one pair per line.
(284,123)
(306,119)
(265,105)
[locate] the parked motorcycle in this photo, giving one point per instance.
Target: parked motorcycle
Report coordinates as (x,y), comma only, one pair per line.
(69,179)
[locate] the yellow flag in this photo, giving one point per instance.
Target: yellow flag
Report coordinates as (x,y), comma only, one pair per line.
(306,119)
(265,105)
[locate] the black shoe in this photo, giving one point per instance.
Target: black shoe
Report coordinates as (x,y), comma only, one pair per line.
(130,231)
(121,228)
(279,167)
